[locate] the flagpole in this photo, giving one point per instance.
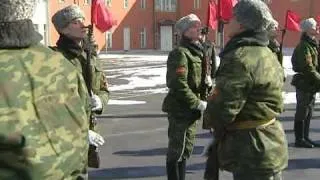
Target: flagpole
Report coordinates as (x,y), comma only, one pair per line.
(284,30)
(220,27)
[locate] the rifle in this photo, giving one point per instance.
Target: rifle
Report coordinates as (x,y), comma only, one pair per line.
(205,67)
(93,154)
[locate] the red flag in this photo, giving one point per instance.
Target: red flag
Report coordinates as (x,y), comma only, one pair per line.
(212,15)
(225,9)
(292,21)
(100,16)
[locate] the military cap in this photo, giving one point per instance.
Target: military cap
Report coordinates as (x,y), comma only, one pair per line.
(186,22)
(15,10)
(253,14)
(307,24)
(65,16)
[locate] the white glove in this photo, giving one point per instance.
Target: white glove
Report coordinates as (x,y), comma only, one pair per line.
(95,139)
(208,81)
(202,105)
(96,103)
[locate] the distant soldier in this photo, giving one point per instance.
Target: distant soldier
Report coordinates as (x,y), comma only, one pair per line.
(249,141)
(209,68)
(306,81)
(183,103)
(72,43)
(44,103)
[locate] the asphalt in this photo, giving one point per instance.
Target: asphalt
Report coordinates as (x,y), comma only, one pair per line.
(136,134)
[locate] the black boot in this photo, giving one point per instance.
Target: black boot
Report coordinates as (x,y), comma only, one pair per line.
(182,169)
(298,131)
(172,170)
(306,133)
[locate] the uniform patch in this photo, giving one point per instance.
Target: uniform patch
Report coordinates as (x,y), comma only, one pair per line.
(180,70)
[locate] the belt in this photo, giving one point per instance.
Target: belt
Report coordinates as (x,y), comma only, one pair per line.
(241,125)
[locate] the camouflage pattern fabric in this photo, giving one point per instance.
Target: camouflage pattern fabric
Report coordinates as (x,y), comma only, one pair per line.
(183,81)
(181,139)
(249,85)
(45,99)
(252,176)
(305,62)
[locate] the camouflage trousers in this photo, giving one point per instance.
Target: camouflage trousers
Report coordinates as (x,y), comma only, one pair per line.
(256,176)
(181,136)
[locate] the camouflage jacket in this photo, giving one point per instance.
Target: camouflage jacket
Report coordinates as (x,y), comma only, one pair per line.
(78,57)
(305,63)
(183,80)
(45,100)
(275,48)
(248,87)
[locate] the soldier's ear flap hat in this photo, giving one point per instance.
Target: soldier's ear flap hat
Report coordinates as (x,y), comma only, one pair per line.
(183,24)
(253,14)
(307,24)
(16,10)
(65,16)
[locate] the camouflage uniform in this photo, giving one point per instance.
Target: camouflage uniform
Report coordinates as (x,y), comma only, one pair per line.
(183,81)
(78,57)
(307,83)
(245,102)
(275,48)
(44,98)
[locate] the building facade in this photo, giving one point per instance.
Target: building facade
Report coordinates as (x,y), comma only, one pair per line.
(149,24)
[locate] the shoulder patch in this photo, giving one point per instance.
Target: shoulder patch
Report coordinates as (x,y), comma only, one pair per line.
(181,70)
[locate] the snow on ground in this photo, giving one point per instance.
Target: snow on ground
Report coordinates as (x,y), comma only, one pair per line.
(152,78)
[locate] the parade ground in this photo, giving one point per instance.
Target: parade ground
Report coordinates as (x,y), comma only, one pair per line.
(135,129)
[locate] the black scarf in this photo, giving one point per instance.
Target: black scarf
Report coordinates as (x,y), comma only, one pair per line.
(194,48)
(246,38)
(18,34)
(69,46)
(305,37)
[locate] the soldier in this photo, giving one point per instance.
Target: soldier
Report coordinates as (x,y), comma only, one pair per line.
(69,23)
(274,45)
(247,98)
(182,102)
(209,68)
(306,81)
(43,98)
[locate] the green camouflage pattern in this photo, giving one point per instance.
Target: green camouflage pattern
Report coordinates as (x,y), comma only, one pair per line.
(45,99)
(183,80)
(305,62)
(248,87)
(99,80)
(181,139)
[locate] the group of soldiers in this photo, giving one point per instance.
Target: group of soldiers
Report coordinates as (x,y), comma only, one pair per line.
(242,98)
(49,96)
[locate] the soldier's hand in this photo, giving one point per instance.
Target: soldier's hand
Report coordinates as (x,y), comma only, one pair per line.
(202,105)
(208,81)
(95,139)
(96,103)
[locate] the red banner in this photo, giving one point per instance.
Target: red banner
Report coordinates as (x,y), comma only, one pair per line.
(225,9)
(100,16)
(292,21)
(212,15)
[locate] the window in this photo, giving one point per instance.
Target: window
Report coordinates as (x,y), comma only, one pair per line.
(108,3)
(125,4)
(109,39)
(197,4)
(87,1)
(143,4)
(61,1)
(166,5)
(143,38)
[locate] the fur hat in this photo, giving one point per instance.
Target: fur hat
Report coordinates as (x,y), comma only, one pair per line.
(63,17)
(307,24)
(186,22)
(253,14)
(15,10)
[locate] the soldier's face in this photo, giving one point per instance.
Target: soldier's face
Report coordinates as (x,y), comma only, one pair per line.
(235,27)
(194,32)
(76,30)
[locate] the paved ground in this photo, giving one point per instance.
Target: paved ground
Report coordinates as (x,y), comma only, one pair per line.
(136,129)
